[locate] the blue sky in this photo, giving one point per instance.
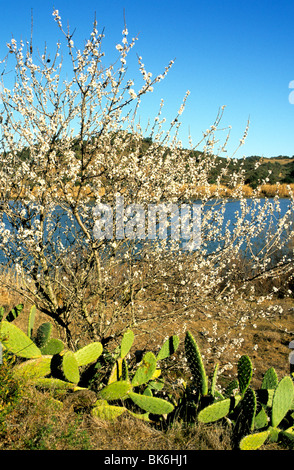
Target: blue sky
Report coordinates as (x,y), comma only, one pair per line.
(234,53)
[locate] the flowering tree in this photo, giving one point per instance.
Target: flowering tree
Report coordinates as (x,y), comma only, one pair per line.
(73,142)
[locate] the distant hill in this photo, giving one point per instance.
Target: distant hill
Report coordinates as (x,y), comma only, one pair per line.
(278,169)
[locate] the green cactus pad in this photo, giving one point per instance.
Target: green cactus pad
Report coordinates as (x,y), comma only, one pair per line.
(126,343)
(215,411)
(245,370)
(55,384)
(153,405)
(115,391)
(70,367)
(282,400)
(53,346)
(168,348)
(254,441)
(17,342)
(145,371)
(2,311)
(148,392)
(43,334)
(89,353)
(31,323)
(244,423)
(270,379)
(156,384)
(261,419)
(230,388)
(195,364)
(142,416)
(33,368)
(14,312)
(108,412)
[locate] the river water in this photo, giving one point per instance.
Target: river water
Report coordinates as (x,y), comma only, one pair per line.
(211,211)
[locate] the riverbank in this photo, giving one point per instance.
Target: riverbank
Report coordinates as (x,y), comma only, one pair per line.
(265,190)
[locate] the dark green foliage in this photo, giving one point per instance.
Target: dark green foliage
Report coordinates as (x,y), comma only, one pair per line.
(14,313)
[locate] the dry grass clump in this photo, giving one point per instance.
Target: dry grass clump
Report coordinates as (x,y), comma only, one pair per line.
(272,190)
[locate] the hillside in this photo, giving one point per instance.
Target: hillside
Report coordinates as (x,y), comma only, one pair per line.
(278,169)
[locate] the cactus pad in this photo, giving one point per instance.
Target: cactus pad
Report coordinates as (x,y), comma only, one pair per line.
(31,323)
(254,441)
(89,353)
(195,364)
(168,348)
(244,373)
(215,411)
(152,405)
(145,370)
(126,343)
(270,379)
(115,391)
(53,346)
(70,367)
(107,412)
(17,342)
(43,334)
(282,400)
(33,368)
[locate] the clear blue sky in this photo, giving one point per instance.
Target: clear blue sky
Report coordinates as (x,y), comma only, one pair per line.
(234,53)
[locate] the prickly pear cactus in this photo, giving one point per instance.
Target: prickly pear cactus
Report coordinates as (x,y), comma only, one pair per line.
(89,353)
(43,334)
(107,412)
(31,322)
(270,379)
(215,411)
(52,383)
(17,342)
(70,367)
(145,370)
(246,411)
(195,364)
(168,348)
(126,343)
(115,391)
(254,441)
(53,346)
(33,368)
(245,370)
(282,400)
(213,380)
(153,405)
(64,366)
